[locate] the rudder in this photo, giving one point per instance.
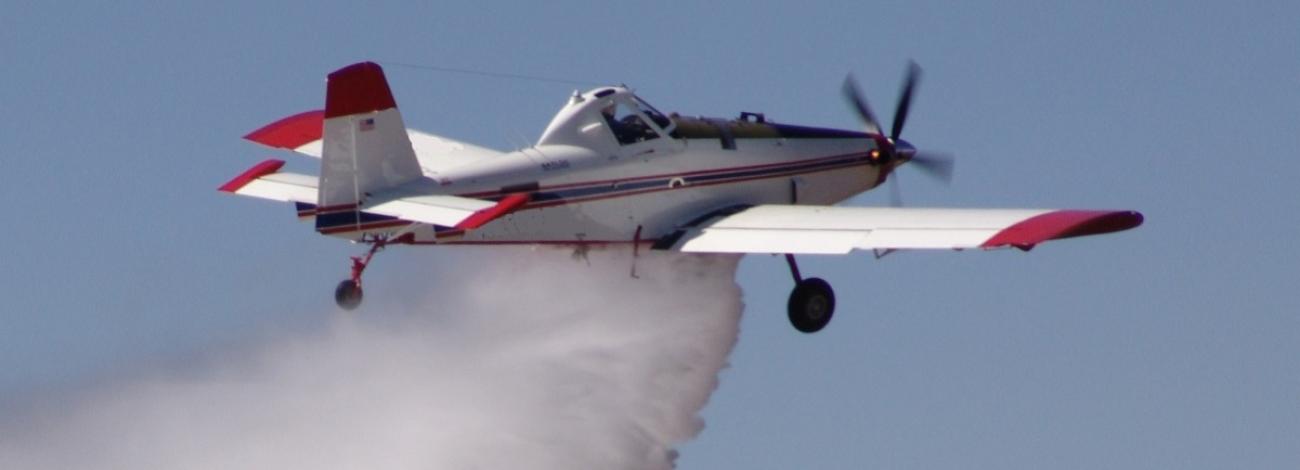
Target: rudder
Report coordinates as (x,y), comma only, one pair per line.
(365,146)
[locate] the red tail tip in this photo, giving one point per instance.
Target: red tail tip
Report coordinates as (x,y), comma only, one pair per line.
(357,88)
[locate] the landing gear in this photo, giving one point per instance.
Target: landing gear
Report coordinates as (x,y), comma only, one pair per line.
(348,293)
(812,303)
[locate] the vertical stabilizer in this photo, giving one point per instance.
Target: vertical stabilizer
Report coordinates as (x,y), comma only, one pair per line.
(365,146)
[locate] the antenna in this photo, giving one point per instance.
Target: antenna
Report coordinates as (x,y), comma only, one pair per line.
(511,141)
(521,137)
(486,73)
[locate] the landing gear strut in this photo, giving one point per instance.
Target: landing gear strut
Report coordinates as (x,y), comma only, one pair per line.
(812,303)
(348,294)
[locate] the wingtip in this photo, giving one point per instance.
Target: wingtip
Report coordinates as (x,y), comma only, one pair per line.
(1137,218)
(1060,224)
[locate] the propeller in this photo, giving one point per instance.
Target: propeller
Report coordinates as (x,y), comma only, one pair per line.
(859,103)
(889,149)
(905,99)
(937,166)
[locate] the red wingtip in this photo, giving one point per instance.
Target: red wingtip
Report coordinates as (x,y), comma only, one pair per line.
(291,132)
(1063,224)
(357,88)
(257,171)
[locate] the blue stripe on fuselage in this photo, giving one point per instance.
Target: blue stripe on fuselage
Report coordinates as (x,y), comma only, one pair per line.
(348,218)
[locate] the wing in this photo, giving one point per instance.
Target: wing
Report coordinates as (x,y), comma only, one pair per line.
(838,230)
(301,133)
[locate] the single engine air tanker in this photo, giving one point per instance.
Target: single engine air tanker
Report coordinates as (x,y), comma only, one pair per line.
(612,169)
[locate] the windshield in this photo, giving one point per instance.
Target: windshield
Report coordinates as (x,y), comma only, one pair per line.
(626,124)
(654,114)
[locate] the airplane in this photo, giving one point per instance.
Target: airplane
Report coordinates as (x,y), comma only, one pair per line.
(610,169)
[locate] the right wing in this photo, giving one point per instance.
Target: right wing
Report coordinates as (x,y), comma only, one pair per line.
(301,133)
(837,230)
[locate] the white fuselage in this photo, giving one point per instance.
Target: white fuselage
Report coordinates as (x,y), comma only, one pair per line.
(588,184)
(611,202)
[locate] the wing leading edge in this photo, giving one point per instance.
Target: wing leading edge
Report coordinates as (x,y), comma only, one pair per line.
(838,230)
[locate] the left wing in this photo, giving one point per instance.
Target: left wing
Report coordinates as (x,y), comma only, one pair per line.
(838,230)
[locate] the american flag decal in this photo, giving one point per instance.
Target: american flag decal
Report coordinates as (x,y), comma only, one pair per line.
(367,124)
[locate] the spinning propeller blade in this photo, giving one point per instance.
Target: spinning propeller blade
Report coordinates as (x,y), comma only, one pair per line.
(859,104)
(905,99)
(937,165)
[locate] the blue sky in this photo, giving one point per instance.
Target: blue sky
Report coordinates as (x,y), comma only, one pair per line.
(1171,345)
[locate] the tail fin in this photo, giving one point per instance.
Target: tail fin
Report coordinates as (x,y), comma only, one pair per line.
(365,148)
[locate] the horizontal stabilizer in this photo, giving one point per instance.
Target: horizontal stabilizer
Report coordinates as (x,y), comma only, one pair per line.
(302,132)
(447,211)
(265,181)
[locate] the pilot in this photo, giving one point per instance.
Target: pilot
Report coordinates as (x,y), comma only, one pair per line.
(625,130)
(608,113)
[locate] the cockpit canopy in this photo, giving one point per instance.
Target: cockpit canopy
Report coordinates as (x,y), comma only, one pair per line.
(631,120)
(606,118)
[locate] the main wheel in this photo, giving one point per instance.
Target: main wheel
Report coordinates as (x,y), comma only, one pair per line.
(347,295)
(812,303)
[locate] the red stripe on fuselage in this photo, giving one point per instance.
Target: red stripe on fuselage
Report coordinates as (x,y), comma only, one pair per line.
(363,227)
(692,185)
(483,194)
(523,207)
(535,242)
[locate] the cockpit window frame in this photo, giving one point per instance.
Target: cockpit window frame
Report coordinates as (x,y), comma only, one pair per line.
(647,109)
(636,107)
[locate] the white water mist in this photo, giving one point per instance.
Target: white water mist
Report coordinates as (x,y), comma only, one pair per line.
(515,358)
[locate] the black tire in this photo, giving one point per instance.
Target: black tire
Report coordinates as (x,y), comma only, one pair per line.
(811,306)
(347,295)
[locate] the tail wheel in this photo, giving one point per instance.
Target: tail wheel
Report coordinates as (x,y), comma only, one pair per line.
(811,306)
(348,294)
